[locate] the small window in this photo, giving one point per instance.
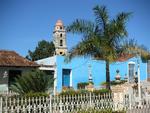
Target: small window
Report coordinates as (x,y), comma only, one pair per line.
(131,71)
(60,27)
(61,35)
(61,53)
(61,42)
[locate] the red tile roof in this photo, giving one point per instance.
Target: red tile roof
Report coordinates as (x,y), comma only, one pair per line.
(11,59)
(124,57)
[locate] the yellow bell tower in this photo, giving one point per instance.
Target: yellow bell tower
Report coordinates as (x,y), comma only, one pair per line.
(59,35)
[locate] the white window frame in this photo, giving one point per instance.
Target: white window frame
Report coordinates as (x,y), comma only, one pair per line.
(71,78)
(131,62)
(70,84)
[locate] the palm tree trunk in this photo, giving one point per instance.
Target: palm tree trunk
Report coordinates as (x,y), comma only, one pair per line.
(107,75)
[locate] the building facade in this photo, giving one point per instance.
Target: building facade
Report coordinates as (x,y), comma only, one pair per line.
(76,71)
(82,69)
(59,38)
(11,66)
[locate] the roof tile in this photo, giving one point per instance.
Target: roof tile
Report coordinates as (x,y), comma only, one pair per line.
(11,58)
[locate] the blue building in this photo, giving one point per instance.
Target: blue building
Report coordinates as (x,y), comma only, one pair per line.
(76,71)
(80,69)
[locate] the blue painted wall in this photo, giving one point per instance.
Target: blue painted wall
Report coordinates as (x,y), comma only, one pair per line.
(79,67)
(123,67)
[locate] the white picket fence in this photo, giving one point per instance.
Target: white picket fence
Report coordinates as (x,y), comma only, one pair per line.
(67,104)
(56,104)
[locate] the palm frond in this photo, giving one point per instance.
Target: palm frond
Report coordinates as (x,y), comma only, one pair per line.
(123,17)
(131,47)
(116,29)
(121,22)
(83,48)
(80,26)
(102,16)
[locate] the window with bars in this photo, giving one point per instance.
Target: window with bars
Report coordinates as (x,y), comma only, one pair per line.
(131,71)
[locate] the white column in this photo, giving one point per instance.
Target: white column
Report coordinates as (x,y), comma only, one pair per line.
(55,80)
(71,78)
(146,71)
(139,84)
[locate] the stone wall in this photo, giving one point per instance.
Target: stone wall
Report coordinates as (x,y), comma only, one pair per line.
(119,92)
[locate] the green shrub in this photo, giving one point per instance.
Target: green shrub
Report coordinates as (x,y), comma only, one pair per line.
(114,82)
(82,85)
(32,81)
(103,83)
(101,91)
(65,88)
(68,92)
(38,94)
(91,83)
(91,110)
(117,83)
(83,91)
(73,92)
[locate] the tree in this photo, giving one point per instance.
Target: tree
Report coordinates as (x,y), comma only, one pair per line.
(33,81)
(102,38)
(131,47)
(44,49)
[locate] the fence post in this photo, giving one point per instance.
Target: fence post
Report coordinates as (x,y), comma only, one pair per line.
(61,111)
(1,104)
(130,102)
(50,104)
(90,100)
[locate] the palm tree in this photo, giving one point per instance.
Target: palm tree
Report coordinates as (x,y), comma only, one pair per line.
(101,39)
(131,47)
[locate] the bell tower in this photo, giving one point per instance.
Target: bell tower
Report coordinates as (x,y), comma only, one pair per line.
(59,35)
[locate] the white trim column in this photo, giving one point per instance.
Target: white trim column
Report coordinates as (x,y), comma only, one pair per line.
(55,80)
(71,78)
(146,71)
(139,84)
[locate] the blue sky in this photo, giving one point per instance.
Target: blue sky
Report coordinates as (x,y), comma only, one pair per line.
(25,22)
